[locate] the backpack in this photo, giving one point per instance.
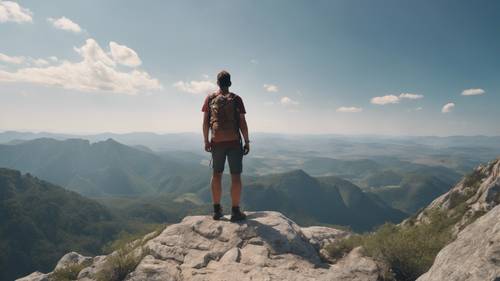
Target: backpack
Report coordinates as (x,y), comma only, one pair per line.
(224,113)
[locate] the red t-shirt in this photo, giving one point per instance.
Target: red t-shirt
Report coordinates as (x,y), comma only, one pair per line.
(242,110)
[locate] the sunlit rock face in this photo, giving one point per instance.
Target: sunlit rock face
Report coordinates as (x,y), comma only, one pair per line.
(473,256)
(267,246)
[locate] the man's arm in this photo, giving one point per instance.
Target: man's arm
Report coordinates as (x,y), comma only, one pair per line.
(244,128)
(206,129)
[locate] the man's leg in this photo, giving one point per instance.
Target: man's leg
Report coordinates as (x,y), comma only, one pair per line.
(218,161)
(216,187)
(235,160)
(235,189)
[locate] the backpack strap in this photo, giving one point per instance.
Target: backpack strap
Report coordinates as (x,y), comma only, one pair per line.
(237,108)
(209,100)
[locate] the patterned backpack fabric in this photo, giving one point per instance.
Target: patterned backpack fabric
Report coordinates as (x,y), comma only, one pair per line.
(224,113)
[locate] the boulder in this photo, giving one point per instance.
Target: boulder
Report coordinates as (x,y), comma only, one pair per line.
(473,256)
(71,259)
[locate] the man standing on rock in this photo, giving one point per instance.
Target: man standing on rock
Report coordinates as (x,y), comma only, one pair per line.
(224,119)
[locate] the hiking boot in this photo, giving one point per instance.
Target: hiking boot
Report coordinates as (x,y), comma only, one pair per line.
(237,214)
(217,212)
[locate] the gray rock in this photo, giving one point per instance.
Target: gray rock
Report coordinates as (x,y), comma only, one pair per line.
(155,270)
(320,236)
(267,246)
(90,272)
(355,267)
(72,258)
(231,256)
(473,256)
(479,197)
(35,276)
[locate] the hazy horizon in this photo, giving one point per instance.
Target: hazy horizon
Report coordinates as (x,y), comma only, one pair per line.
(255,132)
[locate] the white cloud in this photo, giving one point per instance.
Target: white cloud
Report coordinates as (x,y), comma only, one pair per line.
(40,62)
(388,99)
(95,72)
(9,59)
(419,108)
(349,109)
(12,12)
(392,99)
(271,88)
(254,61)
(288,101)
(66,24)
(124,55)
(22,59)
(196,87)
(473,92)
(448,107)
(410,96)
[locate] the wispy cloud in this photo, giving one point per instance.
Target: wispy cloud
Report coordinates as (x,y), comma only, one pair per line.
(40,62)
(288,101)
(254,61)
(473,92)
(12,60)
(196,87)
(448,107)
(393,99)
(13,12)
(124,55)
(410,96)
(271,88)
(66,24)
(16,60)
(349,109)
(388,99)
(97,71)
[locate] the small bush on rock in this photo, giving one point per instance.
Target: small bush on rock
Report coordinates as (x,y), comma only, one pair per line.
(67,273)
(128,252)
(408,251)
(120,263)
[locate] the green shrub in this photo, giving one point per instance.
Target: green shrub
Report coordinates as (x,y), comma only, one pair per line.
(342,247)
(125,238)
(119,264)
(408,251)
(473,179)
(67,273)
(128,253)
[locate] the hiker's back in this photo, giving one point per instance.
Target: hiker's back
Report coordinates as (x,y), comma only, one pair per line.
(224,110)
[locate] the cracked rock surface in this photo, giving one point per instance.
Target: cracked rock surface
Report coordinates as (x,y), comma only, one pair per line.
(267,246)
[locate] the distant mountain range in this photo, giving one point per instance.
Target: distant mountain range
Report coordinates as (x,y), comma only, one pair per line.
(111,169)
(328,200)
(105,168)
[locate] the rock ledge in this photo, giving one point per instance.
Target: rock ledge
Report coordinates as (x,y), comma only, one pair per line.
(267,246)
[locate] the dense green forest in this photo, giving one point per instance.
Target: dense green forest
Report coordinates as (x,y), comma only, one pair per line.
(41,222)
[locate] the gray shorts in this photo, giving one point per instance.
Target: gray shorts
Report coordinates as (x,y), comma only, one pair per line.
(234,156)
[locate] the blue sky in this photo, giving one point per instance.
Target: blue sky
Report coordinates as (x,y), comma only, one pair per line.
(347,67)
